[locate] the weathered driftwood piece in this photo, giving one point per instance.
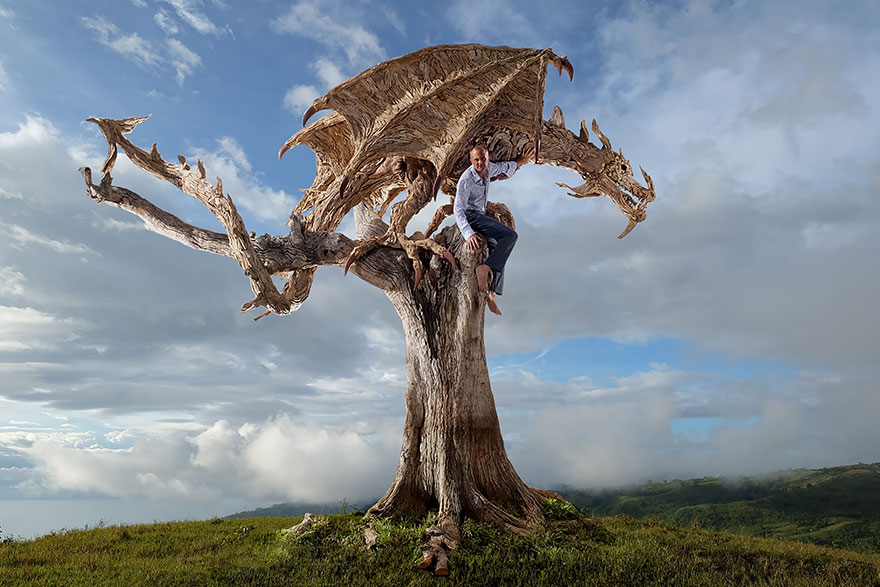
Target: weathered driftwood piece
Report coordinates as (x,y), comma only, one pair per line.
(407,125)
(371,536)
(308,521)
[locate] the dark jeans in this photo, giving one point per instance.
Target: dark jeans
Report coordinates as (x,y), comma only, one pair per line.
(500,239)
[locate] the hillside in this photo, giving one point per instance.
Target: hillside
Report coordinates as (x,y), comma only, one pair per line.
(837,506)
(577,551)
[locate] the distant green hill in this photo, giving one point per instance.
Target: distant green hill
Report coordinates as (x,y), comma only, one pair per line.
(838,506)
(576,551)
(298,509)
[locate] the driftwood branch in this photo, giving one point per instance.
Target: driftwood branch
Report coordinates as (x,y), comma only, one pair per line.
(259,256)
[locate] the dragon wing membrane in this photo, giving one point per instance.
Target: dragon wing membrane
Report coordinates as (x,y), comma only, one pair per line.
(429,104)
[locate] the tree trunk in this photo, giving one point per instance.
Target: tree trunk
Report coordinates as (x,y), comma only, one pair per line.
(453,456)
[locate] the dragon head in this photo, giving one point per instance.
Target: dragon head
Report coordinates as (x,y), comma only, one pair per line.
(604,171)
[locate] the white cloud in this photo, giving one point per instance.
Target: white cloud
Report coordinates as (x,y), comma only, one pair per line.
(27,328)
(166,23)
(7,195)
(189,12)
(139,3)
(230,163)
(585,436)
(22,237)
(338,30)
(131,46)
(329,73)
(278,459)
(11,281)
(35,130)
(299,98)
(183,60)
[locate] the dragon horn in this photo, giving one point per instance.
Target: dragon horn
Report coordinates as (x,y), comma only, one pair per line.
(606,144)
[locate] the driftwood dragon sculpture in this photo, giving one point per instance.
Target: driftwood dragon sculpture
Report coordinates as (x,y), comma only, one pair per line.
(404,125)
(408,124)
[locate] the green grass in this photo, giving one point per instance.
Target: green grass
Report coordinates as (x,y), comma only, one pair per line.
(573,550)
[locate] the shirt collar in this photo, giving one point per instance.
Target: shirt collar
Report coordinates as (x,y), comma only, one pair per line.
(476,176)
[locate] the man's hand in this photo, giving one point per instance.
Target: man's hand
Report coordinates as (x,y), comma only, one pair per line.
(474,242)
(527,156)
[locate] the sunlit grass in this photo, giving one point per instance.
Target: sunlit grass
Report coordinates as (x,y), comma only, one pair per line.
(572,550)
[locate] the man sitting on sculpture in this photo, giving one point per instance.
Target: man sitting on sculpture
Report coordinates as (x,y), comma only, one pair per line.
(475,226)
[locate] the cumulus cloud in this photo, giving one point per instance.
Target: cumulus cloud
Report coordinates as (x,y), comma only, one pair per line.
(299,98)
(277,459)
(229,162)
(664,424)
(335,27)
(329,73)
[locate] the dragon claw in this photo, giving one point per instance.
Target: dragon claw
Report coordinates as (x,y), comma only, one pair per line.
(349,262)
(563,64)
(308,114)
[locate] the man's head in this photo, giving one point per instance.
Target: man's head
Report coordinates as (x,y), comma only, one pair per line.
(480,159)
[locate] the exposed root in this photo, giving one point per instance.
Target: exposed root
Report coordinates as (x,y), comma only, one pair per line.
(441,540)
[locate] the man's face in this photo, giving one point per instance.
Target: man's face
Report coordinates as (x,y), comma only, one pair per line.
(480,160)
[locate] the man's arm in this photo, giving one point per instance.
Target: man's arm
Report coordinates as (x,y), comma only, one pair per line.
(460,205)
(508,168)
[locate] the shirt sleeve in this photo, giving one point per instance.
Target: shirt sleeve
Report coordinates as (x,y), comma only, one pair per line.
(508,168)
(460,205)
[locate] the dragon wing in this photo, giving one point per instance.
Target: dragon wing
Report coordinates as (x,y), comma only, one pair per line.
(429,104)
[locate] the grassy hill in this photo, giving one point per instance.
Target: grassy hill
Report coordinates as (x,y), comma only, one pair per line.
(578,551)
(838,506)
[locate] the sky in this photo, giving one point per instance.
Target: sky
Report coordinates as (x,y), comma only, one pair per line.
(734,332)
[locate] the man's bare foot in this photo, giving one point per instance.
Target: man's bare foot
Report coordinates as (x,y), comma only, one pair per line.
(483,272)
(493,305)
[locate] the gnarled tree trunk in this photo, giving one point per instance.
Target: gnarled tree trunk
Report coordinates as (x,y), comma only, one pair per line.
(453,457)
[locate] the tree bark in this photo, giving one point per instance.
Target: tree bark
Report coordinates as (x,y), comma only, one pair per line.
(452,458)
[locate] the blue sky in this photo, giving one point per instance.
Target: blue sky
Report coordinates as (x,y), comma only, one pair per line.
(733,332)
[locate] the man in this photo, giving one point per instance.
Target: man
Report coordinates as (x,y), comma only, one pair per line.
(470,216)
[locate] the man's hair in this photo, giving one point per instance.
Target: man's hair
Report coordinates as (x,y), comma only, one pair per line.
(480,148)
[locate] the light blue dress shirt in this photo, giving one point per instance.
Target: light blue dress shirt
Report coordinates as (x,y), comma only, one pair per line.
(472,192)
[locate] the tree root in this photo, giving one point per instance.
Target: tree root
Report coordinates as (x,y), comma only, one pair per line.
(441,540)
